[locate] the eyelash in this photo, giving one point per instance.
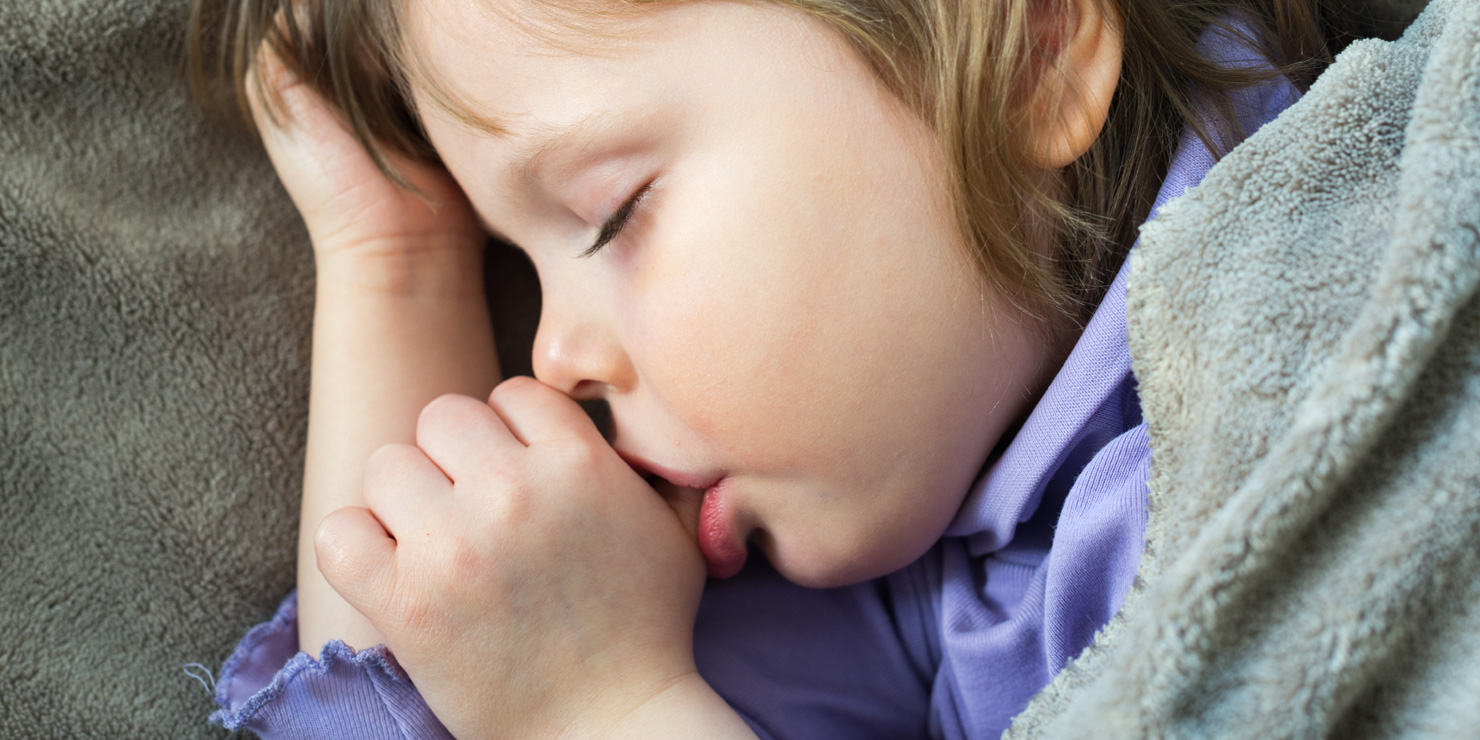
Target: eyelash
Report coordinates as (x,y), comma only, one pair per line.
(617,222)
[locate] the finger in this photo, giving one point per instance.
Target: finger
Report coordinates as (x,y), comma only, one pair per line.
(402,486)
(536,413)
(463,436)
(357,557)
(296,122)
(306,138)
(685,503)
(275,95)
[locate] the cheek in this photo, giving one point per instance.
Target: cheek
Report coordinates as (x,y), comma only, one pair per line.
(797,363)
(786,328)
(729,353)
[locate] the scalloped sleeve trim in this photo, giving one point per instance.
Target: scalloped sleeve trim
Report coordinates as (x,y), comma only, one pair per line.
(270,687)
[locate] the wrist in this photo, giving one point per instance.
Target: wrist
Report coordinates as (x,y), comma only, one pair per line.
(423,271)
(684,706)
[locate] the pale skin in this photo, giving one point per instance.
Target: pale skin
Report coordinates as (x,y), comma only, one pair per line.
(787,312)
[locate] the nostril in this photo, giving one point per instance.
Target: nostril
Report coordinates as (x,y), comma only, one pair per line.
(588,389)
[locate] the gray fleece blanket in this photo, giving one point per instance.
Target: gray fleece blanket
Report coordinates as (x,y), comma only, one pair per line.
(1303,324)
(1306,332)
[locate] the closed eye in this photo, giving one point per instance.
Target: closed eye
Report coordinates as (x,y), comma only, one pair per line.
(616,222)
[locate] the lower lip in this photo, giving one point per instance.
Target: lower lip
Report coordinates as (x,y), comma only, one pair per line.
(718,539)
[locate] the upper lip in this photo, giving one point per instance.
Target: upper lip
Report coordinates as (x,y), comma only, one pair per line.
(645,467)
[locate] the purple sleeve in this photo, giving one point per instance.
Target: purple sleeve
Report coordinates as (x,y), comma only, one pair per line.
(271,688)
(794,662)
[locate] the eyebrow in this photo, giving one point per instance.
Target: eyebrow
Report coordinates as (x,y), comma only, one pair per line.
(578,135)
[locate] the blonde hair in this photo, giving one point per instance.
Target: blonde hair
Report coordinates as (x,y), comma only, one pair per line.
(960,64)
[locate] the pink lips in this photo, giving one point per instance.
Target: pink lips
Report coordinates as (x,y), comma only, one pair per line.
(718,538)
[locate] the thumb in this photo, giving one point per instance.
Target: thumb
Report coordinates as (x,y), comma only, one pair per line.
(685,503)
(358,559)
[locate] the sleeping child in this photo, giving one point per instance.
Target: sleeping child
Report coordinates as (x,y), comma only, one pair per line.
(850,276)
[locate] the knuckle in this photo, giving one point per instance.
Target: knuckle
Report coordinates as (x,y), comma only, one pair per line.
(385,465)
(334,558)
(324,542)
(441,408)
(516,386)
(506,509)
(464,560)
(448,409)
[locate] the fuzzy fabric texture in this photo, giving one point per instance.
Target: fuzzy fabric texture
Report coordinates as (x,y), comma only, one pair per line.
(156,291)
(156,294)
(1306,332)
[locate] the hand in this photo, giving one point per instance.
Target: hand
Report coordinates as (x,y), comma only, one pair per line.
(524,576)
(349,205)
(400,315)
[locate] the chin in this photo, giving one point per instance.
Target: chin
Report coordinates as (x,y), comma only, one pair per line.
(819,570)
(818,579)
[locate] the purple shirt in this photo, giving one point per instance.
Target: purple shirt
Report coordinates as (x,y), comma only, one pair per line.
(1037,560)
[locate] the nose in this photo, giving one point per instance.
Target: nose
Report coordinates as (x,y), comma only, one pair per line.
(580,355)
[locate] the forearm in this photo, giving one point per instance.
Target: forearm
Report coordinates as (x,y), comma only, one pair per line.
(387,339)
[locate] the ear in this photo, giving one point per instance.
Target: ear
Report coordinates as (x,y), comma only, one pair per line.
(1077,67)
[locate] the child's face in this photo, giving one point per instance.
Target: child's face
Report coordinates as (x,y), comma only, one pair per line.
(788,312)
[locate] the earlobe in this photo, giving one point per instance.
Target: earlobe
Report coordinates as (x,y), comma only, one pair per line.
(1071,97)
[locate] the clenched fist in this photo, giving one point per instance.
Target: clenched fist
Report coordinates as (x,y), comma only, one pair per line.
(526,578)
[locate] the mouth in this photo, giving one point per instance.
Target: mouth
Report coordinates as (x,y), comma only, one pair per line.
(718,536)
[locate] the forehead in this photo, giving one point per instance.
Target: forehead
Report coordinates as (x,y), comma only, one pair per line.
(673,81)
(488,62)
